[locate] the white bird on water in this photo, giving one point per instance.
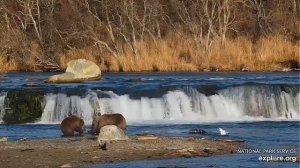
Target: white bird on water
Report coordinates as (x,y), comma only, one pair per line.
(223,132)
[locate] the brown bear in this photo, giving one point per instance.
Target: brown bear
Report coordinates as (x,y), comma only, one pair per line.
(108,119)
(72,124)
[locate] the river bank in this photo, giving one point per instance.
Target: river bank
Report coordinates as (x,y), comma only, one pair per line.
(85,151)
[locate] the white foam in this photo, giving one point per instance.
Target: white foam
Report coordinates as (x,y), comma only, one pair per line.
(2,105)
(221,78)
(234,104)
(57,107)
(245,103)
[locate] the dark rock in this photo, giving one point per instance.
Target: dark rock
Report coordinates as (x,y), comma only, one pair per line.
(23,139)
(290,64)
(136,80)
(244,68)
(208,151)
(146,134)
(103,146)
(27,150)
(22,107)
(32,85)
(205,150)
(197,131)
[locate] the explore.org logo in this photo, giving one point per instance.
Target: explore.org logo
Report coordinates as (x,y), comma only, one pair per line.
(278,158)
(273,154)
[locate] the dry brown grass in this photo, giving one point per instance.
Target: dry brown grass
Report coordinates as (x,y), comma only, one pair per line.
(268,54)
(181,54)
(274,52)
(159,56)
(8,66)
(176,53)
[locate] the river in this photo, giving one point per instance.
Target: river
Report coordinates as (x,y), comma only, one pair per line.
(261,108)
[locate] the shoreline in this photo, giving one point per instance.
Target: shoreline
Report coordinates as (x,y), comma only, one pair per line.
(84,151)
(164,72)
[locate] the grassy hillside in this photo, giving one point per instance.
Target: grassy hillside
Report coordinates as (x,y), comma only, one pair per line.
(150,35)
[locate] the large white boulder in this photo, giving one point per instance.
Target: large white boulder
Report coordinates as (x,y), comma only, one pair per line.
(77,71)
(84,68)
(111,133)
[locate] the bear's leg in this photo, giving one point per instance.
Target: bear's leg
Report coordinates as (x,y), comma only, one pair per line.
(69,133)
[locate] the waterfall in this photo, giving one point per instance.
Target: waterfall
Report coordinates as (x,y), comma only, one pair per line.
(231,104)
(59,106)
(239,103)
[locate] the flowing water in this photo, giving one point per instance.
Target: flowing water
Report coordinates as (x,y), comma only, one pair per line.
(261,108)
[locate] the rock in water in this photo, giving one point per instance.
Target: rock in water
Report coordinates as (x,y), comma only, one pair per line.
(197,131)
(3,139)
(77,71)
(83,67)
(110,133)
(66,165)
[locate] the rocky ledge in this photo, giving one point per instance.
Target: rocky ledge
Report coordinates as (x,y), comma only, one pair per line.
(74,152)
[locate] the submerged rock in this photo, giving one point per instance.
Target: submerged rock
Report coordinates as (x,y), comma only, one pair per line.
(110,133)
(32,85)
(77,71)
(135,80)
(197,131)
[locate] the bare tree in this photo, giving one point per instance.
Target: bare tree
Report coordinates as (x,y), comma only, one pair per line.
(296,15)
(262,16)
(210,12)
(128,28)
(95,13)
(226,17)
(31,9)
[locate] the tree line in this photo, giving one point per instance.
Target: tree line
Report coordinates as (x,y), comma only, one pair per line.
(35,33)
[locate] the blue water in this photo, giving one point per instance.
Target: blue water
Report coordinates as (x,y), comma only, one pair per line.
(258,134)
(153,84)
(230,161)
